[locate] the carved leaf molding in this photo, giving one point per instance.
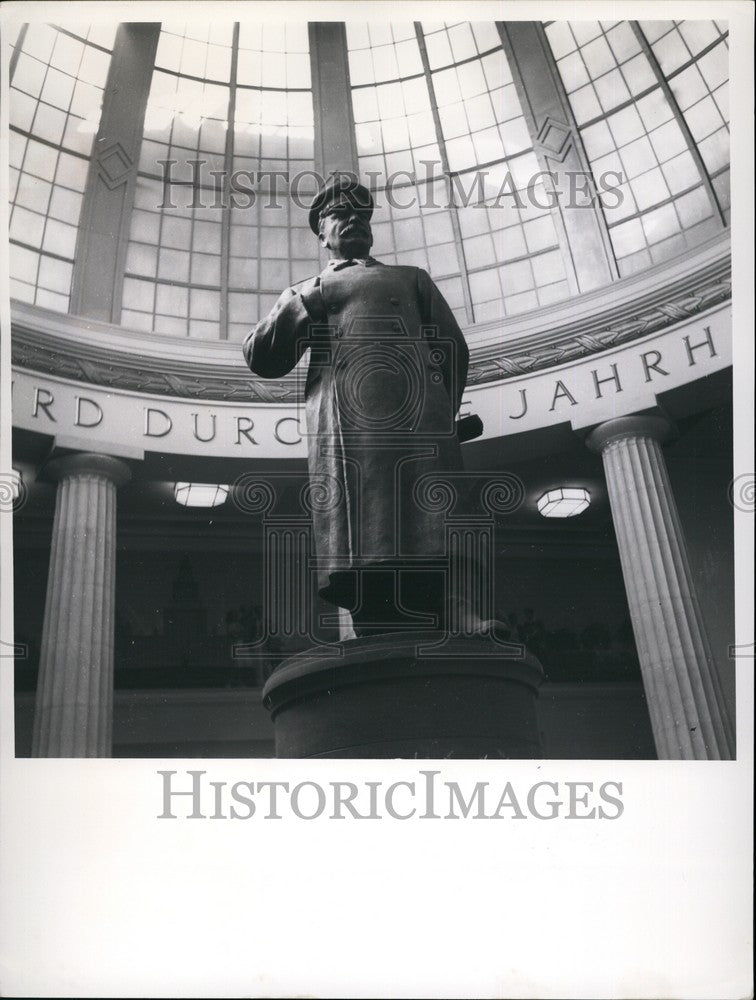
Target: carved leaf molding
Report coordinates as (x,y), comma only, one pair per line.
(118,371)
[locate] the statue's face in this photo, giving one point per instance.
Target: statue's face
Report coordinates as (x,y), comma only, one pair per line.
(345,229)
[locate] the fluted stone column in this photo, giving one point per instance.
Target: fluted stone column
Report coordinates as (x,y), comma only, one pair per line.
(74,709)
(688,712)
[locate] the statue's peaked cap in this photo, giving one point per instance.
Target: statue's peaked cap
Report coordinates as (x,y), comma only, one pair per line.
(339,184)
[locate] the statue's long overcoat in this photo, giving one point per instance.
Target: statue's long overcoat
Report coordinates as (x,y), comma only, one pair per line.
(387,369)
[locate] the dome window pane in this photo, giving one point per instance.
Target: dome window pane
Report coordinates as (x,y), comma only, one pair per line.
(620,207)
(660,223)
(606,164)
(668,248)
(380,33)
(205,304)
(598,140)
(145,226)
(170,326)
(24,265)
(598,58)
(94,67)
(553,293)
(628,238)
(693,207)
(138,295)
(462,42)
(40,42)
(71,171)
(67,54)
(714,66)
(204,329)
(451,289)
(480,113)
(453,120)
(136,320)
(443,260)
(548,268)
(689,87)
(168,54)
(622,41)
(32,192)
(671,51)
(681,173)
(79,135)
(488,145)
(389,100)
(484,286)
(249,71)
(585,31)
(486,35)
(446,88)
(274,275)
(573,72)
(51,300)
(60,238)
(173,265)
(395,134)
(638,74)
(29,76)
(22,291)
(585,104)
(698,34)
(703,118)
(520,303)
(511,244)
(540,233)
(626,125)
(638,157)
(400,166)
(172,300)
(654,30)
(560,38)
(86,101)
(471,79)
(612,90)
(500,85)
(142,260)
(668,141)
(715,150)
(517,277)
(408,58)
(650,188)
(416,98)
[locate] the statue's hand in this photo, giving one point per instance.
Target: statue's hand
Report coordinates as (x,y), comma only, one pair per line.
(312,297)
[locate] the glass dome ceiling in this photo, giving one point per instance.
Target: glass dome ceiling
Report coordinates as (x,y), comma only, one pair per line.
(57,89)
(650,101)
(436,108)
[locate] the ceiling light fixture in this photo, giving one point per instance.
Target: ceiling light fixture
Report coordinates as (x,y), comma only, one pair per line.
(200,494)
(564,502)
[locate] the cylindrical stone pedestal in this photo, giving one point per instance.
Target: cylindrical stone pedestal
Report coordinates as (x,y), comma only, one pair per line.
(686,703)
(394,696)
(74,707)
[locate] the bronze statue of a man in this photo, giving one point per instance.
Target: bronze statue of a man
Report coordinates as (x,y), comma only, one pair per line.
(387,369)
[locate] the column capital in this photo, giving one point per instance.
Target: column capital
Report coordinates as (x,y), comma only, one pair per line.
(89,463)
(657,428)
